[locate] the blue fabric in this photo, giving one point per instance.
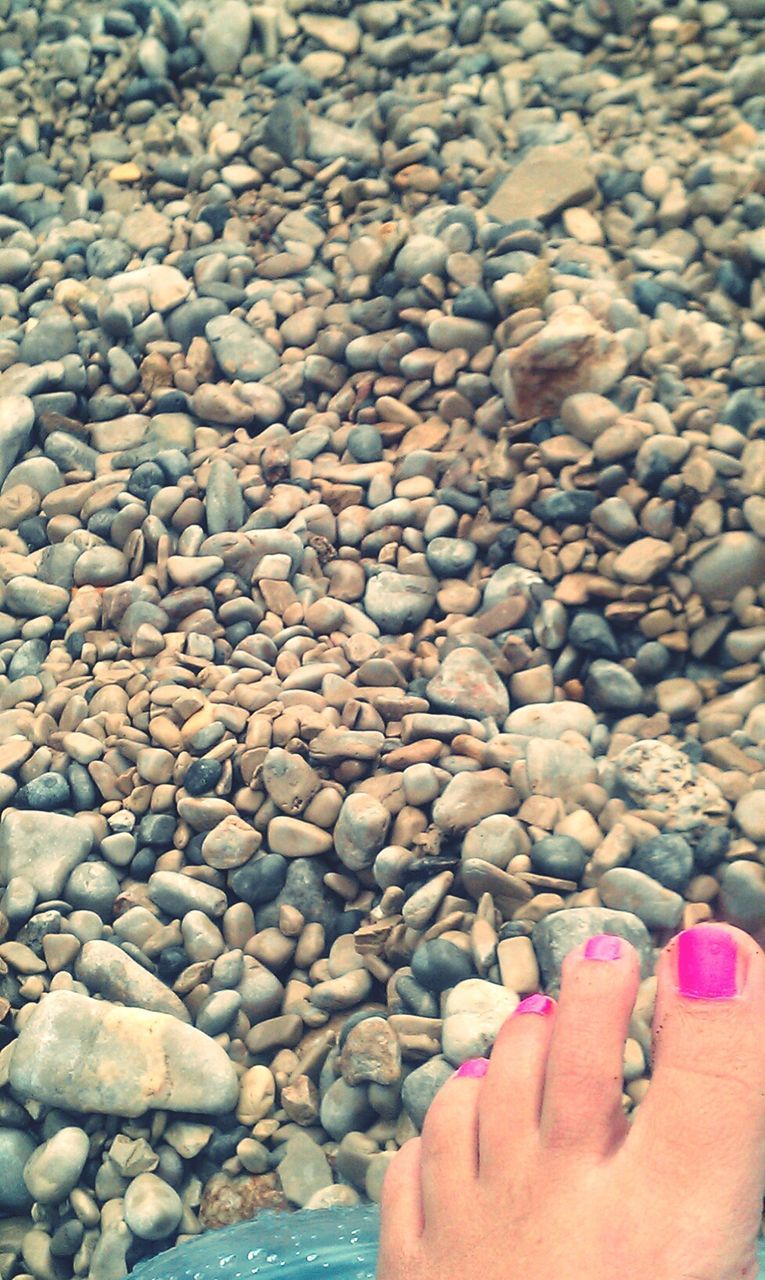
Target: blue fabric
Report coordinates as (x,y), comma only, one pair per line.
(315,1244)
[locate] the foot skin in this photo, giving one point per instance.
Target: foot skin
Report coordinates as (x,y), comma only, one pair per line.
(535,1173)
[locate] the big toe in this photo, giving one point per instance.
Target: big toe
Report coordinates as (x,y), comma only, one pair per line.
(701,1126)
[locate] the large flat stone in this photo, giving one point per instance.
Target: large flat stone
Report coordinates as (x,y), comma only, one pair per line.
(547,180)
(87,1056)
(44,848)
(17,417)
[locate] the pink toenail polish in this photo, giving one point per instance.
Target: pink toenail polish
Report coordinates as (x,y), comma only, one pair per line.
(535,1004)
(474,1069)
(604,946)
(706,964)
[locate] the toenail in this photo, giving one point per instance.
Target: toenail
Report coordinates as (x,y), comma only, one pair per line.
(535,1004)
(474,1069)
(706,964)
(604,946)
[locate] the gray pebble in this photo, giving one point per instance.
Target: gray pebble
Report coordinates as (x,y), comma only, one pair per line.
(55,1168)
(152,1208)
(16,1148)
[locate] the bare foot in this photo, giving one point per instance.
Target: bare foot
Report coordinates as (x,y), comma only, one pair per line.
(535,1173)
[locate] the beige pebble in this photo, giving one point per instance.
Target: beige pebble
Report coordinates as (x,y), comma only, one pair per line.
(295,839)
(518,966)
(582,225)
(582,827)
(679,698)
(643,560)
(127,172)
(749,814)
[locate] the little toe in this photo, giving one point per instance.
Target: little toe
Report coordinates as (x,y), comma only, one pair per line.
(402,1218)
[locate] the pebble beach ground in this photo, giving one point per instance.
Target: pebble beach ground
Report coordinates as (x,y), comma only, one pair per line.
(382,540)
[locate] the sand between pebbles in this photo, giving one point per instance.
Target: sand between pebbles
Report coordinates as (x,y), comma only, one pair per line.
(382,514)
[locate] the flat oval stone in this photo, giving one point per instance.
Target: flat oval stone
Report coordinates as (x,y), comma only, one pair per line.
(101,566)
(89,1056)
(30,598)
(54,1169)
(398,602)
(468,685)
(16,1149)
(152,1208)
(736,560)
(626,889)
(295,839)
(107,970)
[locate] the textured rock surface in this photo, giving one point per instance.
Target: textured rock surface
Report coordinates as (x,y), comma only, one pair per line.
(87,1055)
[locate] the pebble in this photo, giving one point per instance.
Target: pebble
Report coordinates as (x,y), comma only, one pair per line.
(397,602)
(473,1012)
(152,1208)
(54,1169)
(17,417)
(108,971)
(17,1148)
(73,1053)
(736,560)
(43,848)
(626,889)
(667,858)
(467,684)
(658,776)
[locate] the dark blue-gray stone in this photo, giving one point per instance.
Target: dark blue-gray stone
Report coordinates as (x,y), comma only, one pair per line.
(365,443)
(67,1239)
(156,829)
(557,934)
(260,879)
(474,303)
(438,965)
(52,337)
(421,1002)
(202,776)
(611,686)
(49,792)
(652,661)
(82,788)
(566,507)
(304,888)
(93,886)
(558,856)
(28,658)
(106,258)
(421,1086)
(667,858)
(590,633)
(189,319)
(15,1149)
(712,847)
(287,129)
